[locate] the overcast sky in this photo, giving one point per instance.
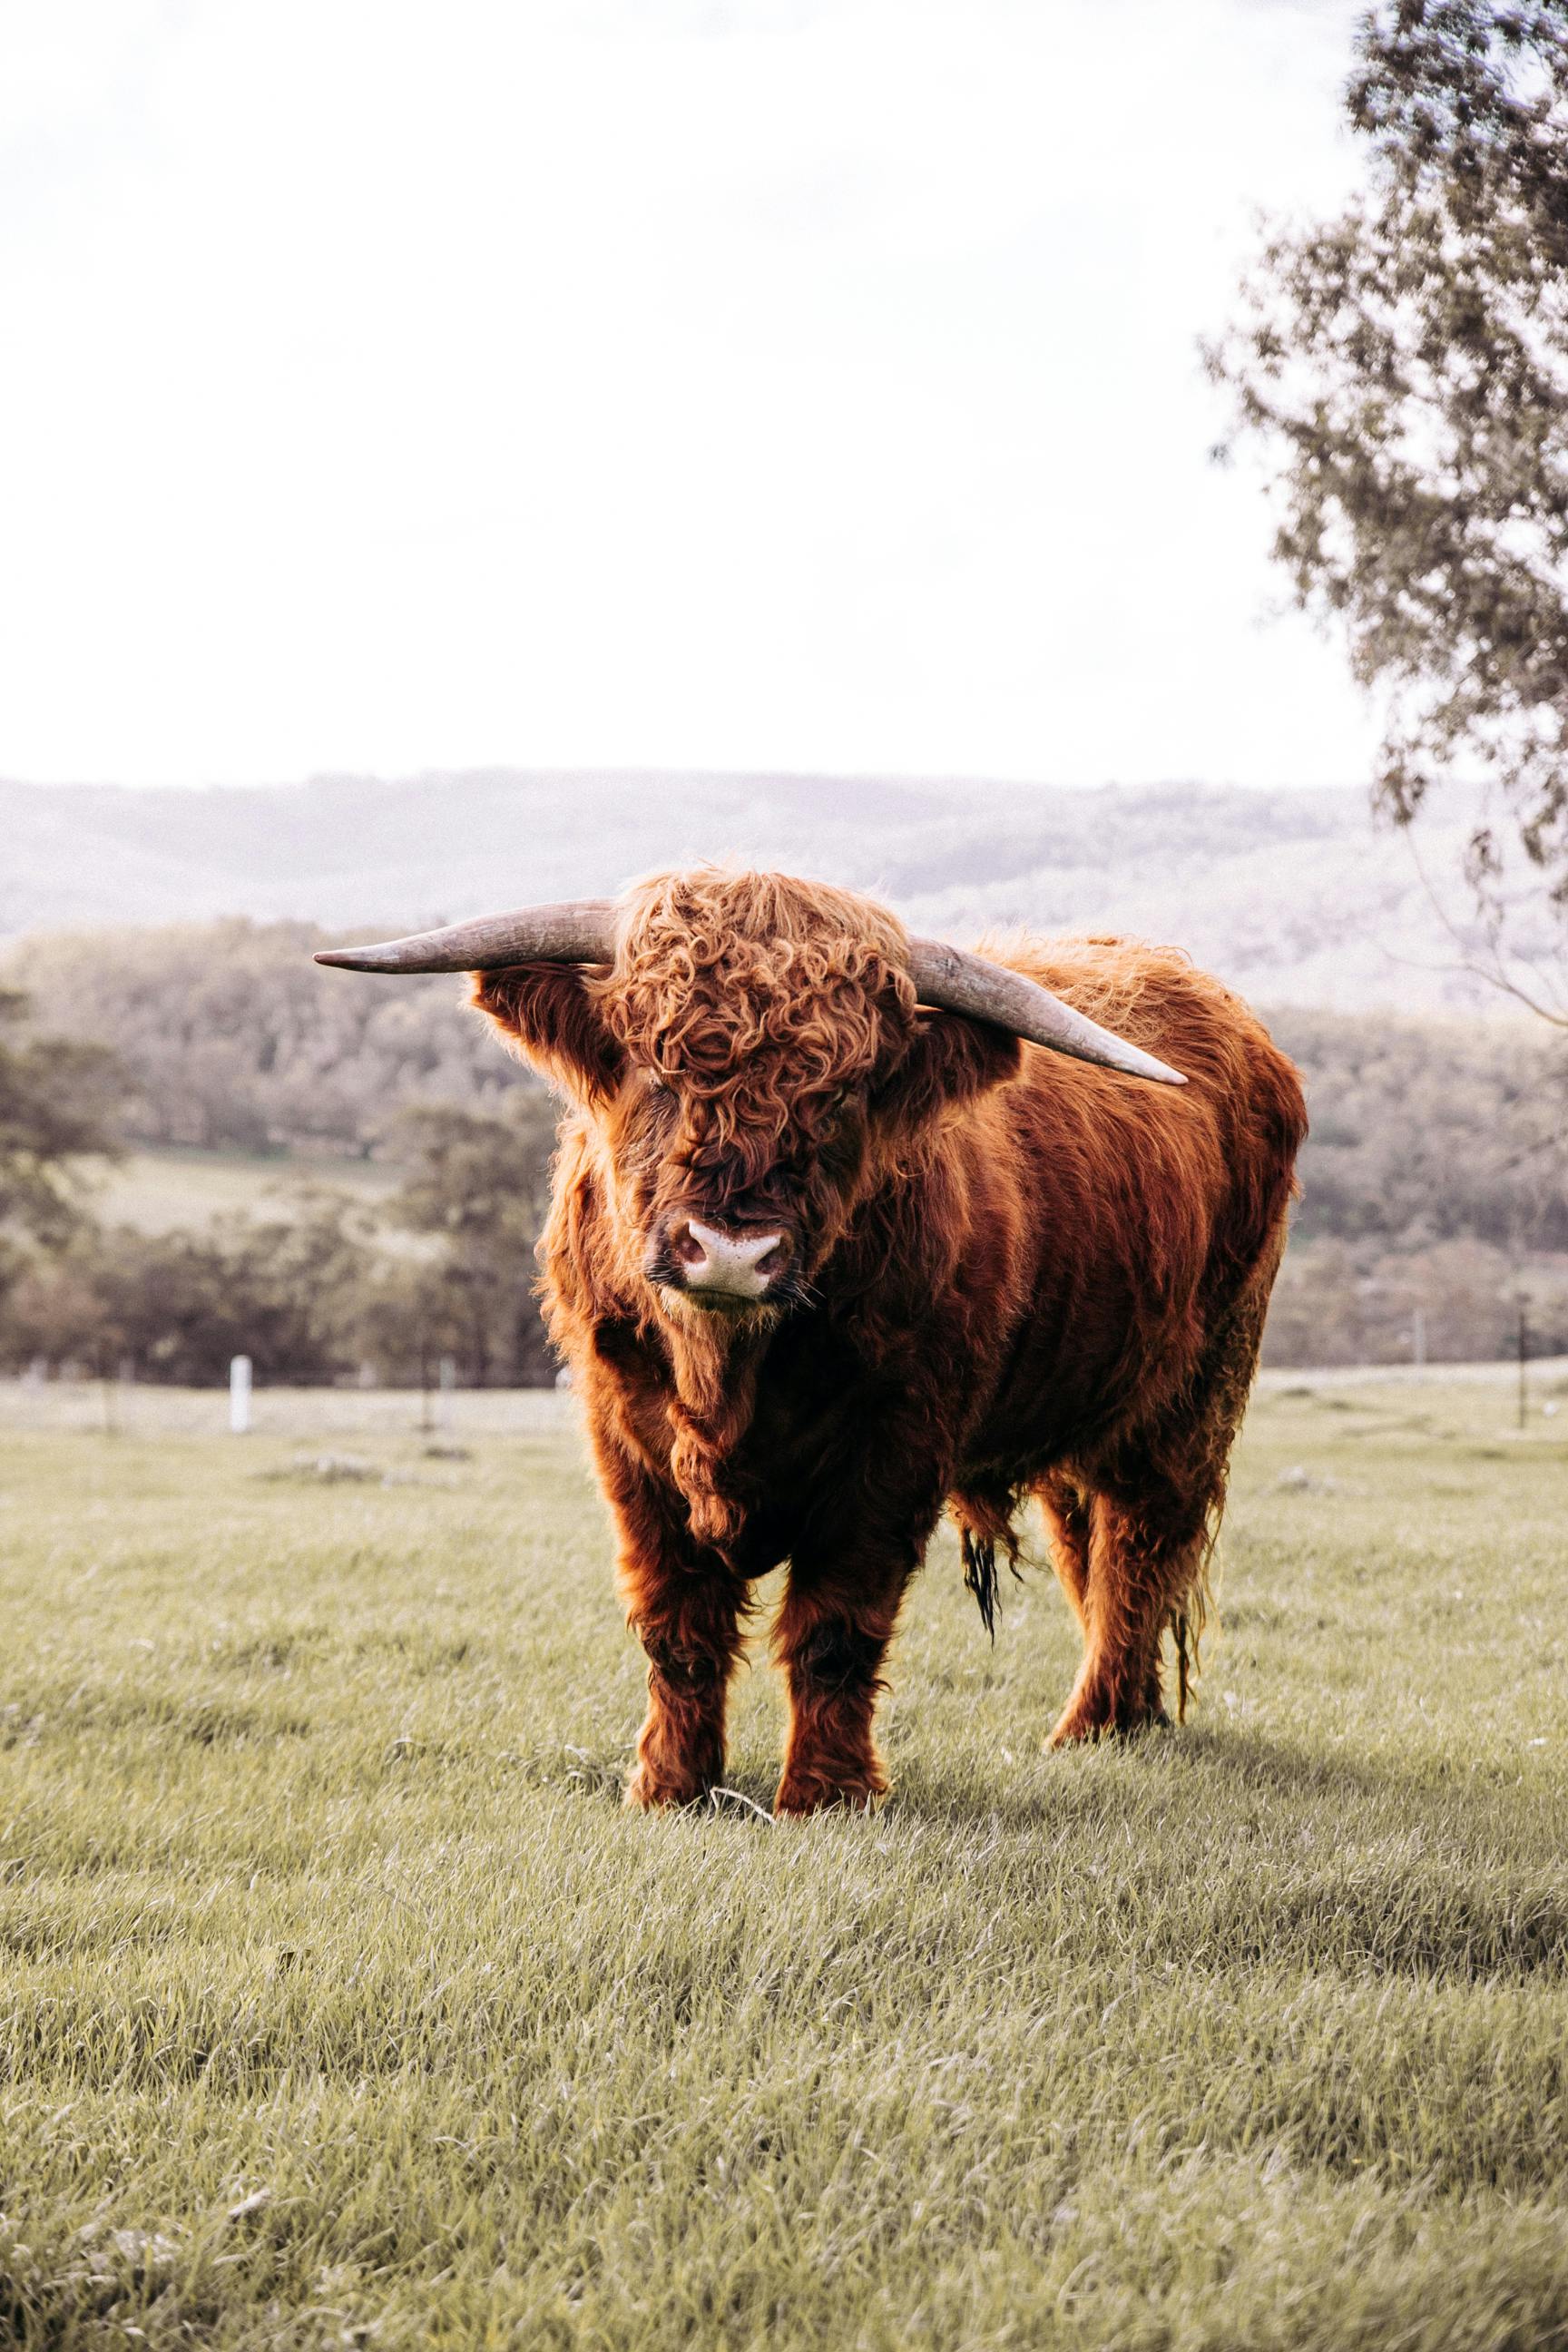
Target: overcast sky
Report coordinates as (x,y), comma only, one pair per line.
(800,384)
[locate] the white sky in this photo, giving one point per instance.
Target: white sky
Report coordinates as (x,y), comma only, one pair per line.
(797,383)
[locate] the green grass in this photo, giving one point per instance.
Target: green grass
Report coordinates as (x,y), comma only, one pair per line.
(342,2003)
(159,1190)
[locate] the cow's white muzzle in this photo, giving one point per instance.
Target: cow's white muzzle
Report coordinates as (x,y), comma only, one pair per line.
(725,1265)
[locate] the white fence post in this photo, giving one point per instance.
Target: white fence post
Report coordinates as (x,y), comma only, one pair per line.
(239,1395)
(448,1379)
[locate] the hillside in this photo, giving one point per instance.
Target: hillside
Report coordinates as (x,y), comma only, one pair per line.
(1291,896)
(1434,1196)
(236,1041)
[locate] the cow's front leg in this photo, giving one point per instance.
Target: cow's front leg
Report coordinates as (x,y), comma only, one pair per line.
(685,1604)
(831,1639)
(688,1622)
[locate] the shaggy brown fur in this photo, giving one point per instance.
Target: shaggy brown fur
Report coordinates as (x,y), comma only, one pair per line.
(1011,1274)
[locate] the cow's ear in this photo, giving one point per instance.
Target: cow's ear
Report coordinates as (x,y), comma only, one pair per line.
(546,1010)
(950,1060)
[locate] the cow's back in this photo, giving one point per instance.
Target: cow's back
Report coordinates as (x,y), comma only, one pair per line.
(1136,1212)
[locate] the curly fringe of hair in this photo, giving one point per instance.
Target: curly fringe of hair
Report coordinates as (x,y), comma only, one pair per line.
(760,996)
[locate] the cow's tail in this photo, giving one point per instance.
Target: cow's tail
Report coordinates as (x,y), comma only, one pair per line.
(985,1527)
(1219,1400)
(1186,1623)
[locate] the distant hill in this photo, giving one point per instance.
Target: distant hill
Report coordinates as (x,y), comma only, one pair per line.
(1292,896)
(1434,1178)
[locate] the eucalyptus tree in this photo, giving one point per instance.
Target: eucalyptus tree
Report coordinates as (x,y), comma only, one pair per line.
(1404,367)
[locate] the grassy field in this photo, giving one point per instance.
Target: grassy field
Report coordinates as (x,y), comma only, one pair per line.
(341,2004)
(158,1190)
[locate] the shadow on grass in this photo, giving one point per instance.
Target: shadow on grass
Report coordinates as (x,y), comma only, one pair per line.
(1218,1846)
(1213,1764)
(1229,1762)
(1339,1861)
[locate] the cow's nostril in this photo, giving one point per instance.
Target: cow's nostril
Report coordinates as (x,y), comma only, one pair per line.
(715,1263)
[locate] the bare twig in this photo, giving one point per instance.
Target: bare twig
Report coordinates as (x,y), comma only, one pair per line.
(734,1797)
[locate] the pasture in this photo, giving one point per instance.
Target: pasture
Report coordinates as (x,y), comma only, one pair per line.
(159,1190)
(342,2004)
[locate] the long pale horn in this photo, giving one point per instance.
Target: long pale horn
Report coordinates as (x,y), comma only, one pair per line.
(963,983)
(575,931)
(583,930)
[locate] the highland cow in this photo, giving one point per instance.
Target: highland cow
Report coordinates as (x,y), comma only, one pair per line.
(849,1226)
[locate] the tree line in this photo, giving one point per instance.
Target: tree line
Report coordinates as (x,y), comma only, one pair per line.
(320,1287)
(1401,365)
(317,1288)
(1435,1182)
(228,1037)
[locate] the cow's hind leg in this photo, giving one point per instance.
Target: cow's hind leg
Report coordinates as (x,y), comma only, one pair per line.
(1151,1525)
(1065,1508)
(1144,1557)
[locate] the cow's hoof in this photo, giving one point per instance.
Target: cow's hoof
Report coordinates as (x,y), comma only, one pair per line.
(806,1794)
(1083,1722)
(648,1792)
